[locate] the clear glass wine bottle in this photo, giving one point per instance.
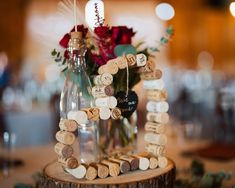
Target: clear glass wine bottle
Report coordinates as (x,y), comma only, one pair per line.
(76,95)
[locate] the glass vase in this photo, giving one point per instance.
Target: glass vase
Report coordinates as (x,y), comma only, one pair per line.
(118,135)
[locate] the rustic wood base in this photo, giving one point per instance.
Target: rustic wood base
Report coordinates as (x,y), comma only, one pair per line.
(157,178)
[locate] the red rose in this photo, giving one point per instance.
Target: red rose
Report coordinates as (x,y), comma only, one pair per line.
(98,60)
(121,35)
(104,44)
(102,32)
(65,40)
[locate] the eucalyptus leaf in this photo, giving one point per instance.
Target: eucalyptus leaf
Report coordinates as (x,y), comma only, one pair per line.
(65,71)
(170,30)
(54,52)
(154,49)
(64,61)
(163,40)
(58,54)
(206,181)
(123,49)
(57,60)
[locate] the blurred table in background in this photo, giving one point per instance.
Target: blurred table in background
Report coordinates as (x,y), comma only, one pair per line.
(35,158)
(30,128)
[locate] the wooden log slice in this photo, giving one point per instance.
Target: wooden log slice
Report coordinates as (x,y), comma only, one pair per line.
(152,178)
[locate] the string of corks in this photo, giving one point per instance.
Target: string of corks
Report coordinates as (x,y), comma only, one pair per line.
(113,166)
(157,116)
(66,138)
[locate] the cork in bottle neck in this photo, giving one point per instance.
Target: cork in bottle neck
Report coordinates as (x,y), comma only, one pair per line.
(76,42)
(76,35)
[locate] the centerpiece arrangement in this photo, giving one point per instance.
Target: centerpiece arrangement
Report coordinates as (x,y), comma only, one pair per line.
(98,102)
(105,44)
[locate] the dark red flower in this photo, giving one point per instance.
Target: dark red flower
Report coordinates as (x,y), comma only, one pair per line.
(102,31)
(121,35)
(98,59)
(65,40)
(66,54)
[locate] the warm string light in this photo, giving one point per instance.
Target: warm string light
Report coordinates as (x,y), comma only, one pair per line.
(232,8)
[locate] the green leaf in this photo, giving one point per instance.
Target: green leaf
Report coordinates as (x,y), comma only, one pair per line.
(163,40)
(154,49)
(65,71)
(170,30)
(123,49)
(206,181)
(54,52)
(64,61)
(57,60)
(58,54)
(197,168)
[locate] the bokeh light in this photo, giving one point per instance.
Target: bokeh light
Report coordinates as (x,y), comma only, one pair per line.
(232,8)
(165,11)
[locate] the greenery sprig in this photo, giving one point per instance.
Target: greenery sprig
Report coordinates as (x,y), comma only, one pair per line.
(198,178)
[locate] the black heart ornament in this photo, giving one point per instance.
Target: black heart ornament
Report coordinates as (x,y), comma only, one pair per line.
(127,102)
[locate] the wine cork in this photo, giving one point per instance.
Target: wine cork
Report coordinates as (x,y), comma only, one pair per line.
(112,61)
(114,169)
(156,95)
(124,165)
(110,102)
(103,79)
(157,106)
(92,113)
(162,162)
(153,161)
(104,113)
(91,172)
(65,137)
(78,172)
(79,116)
(143,162)
(63,150)
(149,67)
(152,138)
(153,84)
(102,91)
(131,59)
(102,170)
(76,35)
(121,62)
(155,75)
(134,162)
(116,113)
(156,150)
(102,69)
(68,125)
(70,163)
(141,60)
(160,117)
(155,127)
(111,68)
